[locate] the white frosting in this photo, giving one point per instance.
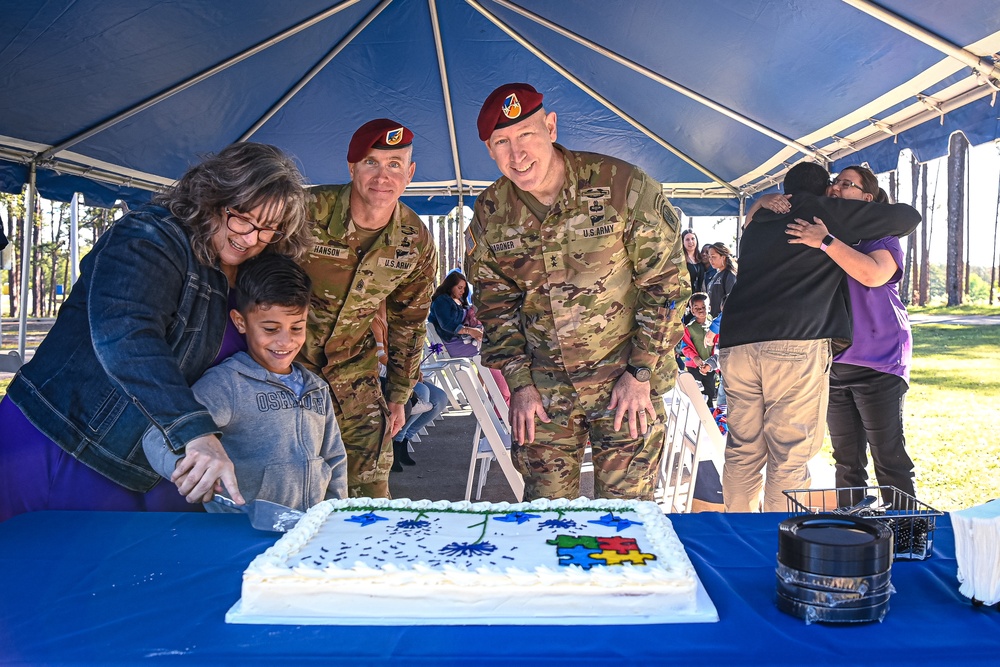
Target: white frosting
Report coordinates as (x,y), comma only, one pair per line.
(424,559)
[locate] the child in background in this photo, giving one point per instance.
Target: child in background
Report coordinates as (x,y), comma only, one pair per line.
(276,417)
(699,357)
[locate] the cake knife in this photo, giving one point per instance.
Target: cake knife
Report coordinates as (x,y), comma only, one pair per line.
(264,515)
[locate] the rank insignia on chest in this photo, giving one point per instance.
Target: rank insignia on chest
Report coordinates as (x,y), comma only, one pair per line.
(327,251)
(554,261)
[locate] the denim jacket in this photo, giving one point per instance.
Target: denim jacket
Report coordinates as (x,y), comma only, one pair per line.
(142,323)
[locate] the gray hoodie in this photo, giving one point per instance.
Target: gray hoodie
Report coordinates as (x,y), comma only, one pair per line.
(286,449)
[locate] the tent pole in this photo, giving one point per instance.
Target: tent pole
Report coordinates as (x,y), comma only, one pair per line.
(29,225)
(74,238)
(460,244)
(317,68)
(660,79)
(982,67)
(184,85)
(531,48)
(741,221)
(446,92)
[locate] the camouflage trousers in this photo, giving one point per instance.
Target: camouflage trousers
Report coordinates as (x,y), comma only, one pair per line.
(361,413)
(624,467)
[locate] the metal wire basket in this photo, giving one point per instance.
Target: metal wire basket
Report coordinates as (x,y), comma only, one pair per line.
(912,521)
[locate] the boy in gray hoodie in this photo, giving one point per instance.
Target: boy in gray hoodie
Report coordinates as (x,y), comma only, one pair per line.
(276,417)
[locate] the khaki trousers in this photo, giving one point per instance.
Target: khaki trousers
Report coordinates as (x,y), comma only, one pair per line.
(777,393)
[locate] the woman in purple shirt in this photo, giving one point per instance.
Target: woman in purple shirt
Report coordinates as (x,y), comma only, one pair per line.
(869,379)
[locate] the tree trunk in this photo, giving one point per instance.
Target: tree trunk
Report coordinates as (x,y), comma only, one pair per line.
(14,238)
(954,269)
(442,245)
(993,257)
(450,226)
(37,287)
(925,263)
(905,293)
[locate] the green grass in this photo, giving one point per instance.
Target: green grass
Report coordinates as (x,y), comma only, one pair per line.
(951,414)
(964,309)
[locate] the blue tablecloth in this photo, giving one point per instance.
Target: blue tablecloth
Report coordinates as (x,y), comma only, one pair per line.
(89,587)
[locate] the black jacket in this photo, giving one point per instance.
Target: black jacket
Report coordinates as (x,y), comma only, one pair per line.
(794,292)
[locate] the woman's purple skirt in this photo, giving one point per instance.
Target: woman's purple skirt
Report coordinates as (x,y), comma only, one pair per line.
(37,474)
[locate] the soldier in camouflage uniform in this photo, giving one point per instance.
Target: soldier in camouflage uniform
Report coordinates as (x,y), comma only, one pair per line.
(368,248)
(580,279)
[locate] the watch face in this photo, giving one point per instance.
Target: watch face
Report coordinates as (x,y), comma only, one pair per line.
(643,374)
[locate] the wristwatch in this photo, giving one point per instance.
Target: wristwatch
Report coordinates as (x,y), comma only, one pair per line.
(640,373)
(826,242)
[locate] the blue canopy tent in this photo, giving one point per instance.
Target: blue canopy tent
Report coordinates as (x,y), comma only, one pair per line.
(715,99)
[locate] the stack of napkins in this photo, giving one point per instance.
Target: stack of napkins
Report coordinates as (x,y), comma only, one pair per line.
(977,549)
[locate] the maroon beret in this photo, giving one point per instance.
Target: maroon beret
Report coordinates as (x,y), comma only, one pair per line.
(380,133)
(508,104)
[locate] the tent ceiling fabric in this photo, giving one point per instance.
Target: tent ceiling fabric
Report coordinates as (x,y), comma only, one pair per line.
(711,98)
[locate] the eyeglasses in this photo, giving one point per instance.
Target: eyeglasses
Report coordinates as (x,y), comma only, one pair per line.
(844,183)
(237,223)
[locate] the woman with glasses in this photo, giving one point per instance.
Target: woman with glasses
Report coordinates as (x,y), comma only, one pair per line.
(868,380)
(147,317)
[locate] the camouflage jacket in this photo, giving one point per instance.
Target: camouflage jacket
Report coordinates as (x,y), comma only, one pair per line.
(598,283)
(400,269)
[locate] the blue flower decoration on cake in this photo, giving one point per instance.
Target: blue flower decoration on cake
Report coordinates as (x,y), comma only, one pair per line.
(465,549)
(516,517)
(557,523)
(616,522)
(412,523)
(366,519)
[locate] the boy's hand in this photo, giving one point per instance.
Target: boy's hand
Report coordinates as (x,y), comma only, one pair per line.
(203,469)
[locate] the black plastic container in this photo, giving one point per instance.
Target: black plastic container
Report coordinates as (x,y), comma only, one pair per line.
(834,568)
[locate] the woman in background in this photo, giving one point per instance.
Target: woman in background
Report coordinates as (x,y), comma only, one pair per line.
(450,310)
(692,255)
(707,263)
(725,277)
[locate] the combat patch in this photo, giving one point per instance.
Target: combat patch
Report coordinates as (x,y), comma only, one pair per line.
(594,199)
(595,193)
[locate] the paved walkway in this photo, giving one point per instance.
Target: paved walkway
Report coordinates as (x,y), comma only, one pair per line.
(977,320)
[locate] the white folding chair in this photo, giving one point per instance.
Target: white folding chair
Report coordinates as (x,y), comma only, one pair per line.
(440,371)
(692,439)
(493,389)
(10,362)
(490,428)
